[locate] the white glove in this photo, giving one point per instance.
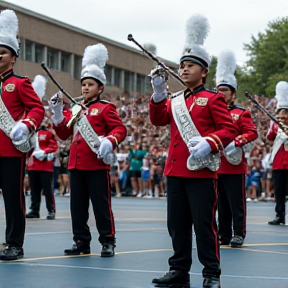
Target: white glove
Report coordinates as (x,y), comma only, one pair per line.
(160,89)
(50,156)
(105,148)
(201,149)
(19,132)
(39,154)
(56,104)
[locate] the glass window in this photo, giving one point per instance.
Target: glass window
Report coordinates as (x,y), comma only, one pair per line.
(117,78)
(128,80)
(39,53)
(65,62)
(108,72)
(52,58)
(140,85)
(28,48)
(77,67)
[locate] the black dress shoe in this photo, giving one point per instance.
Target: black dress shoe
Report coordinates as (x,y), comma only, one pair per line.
(107,250)
(173,277)
(78,248)
(10,253)
(51,215)
(277,221)
(211,282)
(237,241)
(33,214)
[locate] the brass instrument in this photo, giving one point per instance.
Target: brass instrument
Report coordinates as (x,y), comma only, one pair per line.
(273,118)
(76,108)
(160,63)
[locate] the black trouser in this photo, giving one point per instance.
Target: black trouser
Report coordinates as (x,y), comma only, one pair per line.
(11,182)
(280,179)
(41,180)
(94,185)
(193,201)
(231,205)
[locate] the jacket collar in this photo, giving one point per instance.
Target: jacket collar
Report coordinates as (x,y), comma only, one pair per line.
(188,92)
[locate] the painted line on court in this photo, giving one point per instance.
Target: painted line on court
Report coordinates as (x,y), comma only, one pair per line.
(94,230)
(145,271)
(151,251)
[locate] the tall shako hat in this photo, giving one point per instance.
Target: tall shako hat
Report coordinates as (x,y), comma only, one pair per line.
(197,28)
(93,63)
(39,85)
(8,30)
(282,95)
(225,69)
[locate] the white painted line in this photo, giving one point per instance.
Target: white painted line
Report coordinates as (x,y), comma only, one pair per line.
(144,271)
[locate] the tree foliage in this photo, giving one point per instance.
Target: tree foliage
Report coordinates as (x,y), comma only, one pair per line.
(268,63)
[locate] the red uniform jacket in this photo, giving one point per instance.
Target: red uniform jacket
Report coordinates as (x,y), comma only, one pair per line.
(105,120)
(48,144)
(211,117)
(248,133)
(22,102)
(281,158)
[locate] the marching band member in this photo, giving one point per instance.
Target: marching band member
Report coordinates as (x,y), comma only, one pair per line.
(231,174)
(21,112)
(200,127)
(40,164)
(95,135)
(279,153)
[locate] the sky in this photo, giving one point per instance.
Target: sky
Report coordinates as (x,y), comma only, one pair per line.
(163,22)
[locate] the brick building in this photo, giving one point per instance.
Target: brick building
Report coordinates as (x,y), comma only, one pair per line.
(61,46)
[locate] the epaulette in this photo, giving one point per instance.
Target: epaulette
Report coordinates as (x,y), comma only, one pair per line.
(237,107)
(19,76)
(212,91)
(105,101)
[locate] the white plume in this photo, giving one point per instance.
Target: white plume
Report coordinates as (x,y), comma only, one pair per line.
(197,28)
(95,54)
(39,85)
(282,94)
(8,23)
(226,63)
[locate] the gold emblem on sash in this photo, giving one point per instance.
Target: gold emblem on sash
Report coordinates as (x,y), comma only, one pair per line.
(10,87)
(201,101)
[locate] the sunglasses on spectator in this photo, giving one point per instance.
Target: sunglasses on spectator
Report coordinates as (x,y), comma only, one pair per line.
(282,118)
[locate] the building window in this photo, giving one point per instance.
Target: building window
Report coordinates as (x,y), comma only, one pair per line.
(140,84)
(77,67)
(117,78)
(108,72)
(28,50)
(65,62)
(39,53)
(128,80)
(52,58)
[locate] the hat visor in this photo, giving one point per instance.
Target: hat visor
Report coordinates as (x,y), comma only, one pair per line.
(194,59)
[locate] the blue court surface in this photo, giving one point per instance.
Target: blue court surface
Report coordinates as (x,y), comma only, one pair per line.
(143,248)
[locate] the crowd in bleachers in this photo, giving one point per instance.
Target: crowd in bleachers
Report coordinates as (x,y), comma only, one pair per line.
(138,168)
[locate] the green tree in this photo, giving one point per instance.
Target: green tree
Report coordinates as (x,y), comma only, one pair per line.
(268,63)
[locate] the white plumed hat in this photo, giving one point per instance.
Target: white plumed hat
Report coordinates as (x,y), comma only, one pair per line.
(93,63)
(282,95)
(9,30)
(225,69)
(39,85)
(197,29)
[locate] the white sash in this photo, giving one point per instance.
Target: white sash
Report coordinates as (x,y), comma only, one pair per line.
(281,137)
(92,139)
(7,123)
(188,130)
